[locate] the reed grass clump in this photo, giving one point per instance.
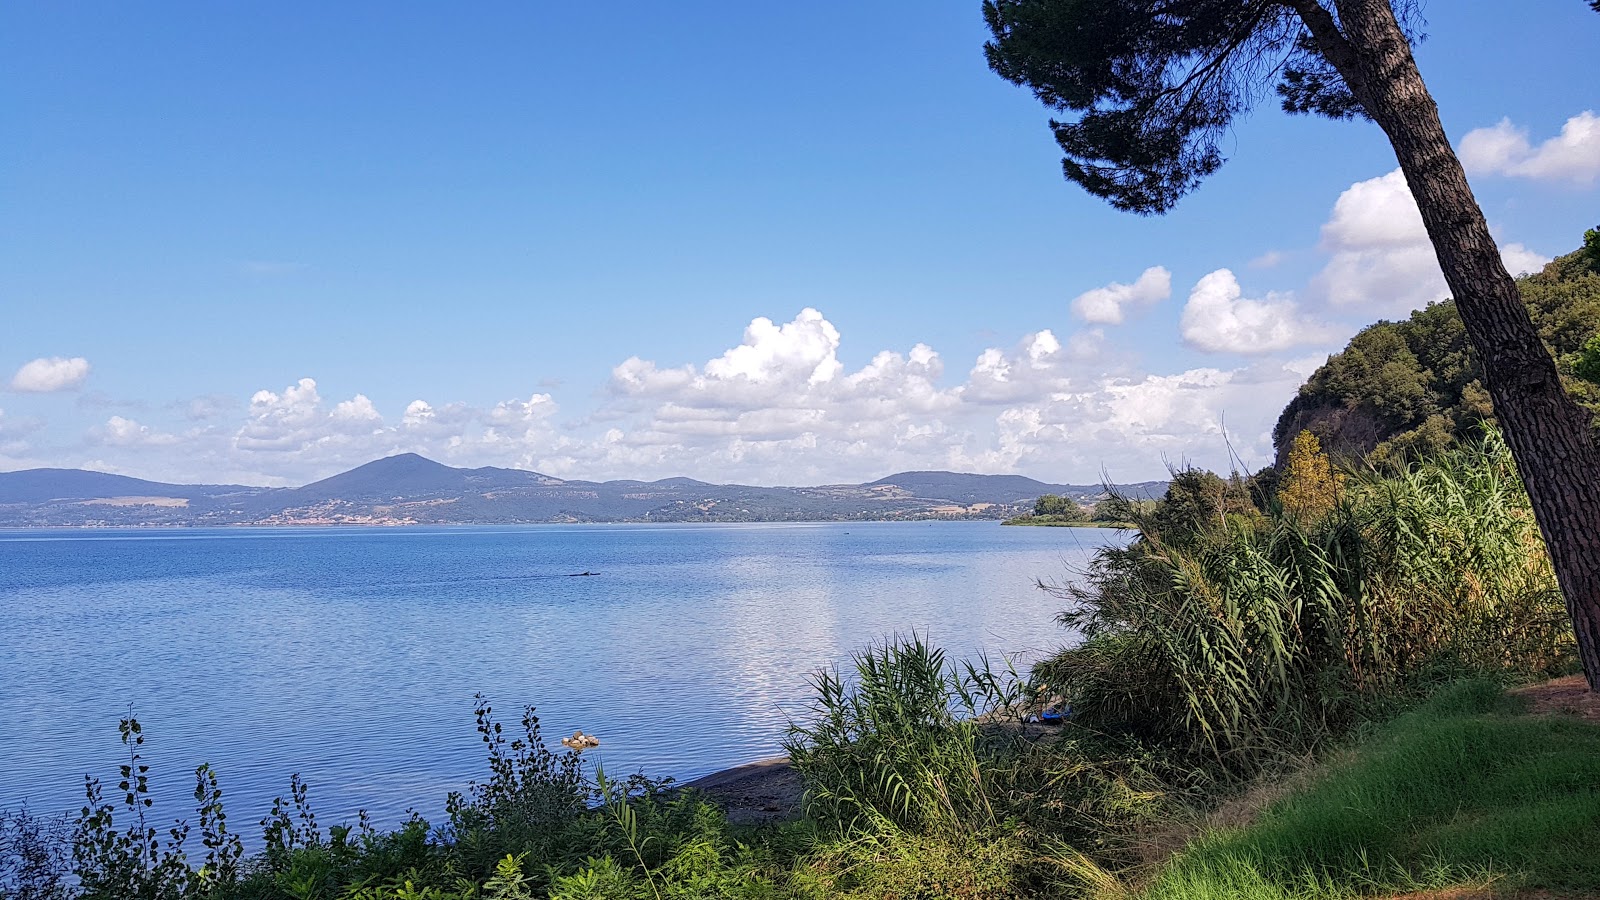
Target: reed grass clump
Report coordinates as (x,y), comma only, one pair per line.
(1250,636)
(896,746)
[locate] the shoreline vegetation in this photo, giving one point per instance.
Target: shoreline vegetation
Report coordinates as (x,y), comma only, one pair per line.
(1110,510)
(1047,522)
(1280,695)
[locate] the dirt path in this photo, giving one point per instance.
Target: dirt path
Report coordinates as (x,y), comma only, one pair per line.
(1563,696)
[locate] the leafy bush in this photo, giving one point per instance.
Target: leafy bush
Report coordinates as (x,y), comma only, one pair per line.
(532,795)
(33,856)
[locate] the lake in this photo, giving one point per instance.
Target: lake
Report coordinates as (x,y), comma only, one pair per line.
(351,656)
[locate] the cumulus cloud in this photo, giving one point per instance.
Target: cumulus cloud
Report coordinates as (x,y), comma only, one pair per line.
(1130,426)
(1055,406)
(512,412)
(296,420)
(1504,149)
(1520,260)
(120,432)
(1380,258)
(50,374)
(779,406)
(357,409)
(1219,319)
(1109,305)
(771,363)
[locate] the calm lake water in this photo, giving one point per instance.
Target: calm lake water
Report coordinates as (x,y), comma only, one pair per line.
(351,656)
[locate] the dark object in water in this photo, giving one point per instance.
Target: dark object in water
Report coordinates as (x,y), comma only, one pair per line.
(580,574)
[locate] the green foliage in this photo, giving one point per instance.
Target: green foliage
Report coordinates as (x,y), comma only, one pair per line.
(914,865)
(33,856)
(1198,502)
(135,862)
(1309,488)
(1063,509)
(924,774)
(1242,640)
(1152,89)
(530,797)
(1454,792)
(1403,390)
(1586,363)
(887,751)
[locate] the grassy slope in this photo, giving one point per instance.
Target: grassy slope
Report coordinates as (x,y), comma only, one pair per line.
(1461,791)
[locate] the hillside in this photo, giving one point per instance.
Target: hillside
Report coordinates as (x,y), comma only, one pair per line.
(1416,385)
(46,485)
(410,489)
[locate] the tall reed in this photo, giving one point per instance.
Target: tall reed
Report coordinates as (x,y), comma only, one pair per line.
(896,745)
(1252,636)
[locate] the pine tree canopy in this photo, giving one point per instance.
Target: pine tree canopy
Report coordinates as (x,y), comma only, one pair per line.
(1154,84)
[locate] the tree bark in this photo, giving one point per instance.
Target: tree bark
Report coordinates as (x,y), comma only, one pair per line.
(1548,432)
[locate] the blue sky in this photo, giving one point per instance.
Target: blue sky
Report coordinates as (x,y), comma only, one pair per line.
(552,227)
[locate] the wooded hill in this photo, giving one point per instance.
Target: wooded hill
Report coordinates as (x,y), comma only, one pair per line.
(1416,385)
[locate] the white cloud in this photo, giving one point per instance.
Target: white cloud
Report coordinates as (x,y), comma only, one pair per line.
(120,432)
(1503,149)
(47,375)
(297,421)
(1109,305)
(418,413)
(357,409)
(1130,426)
(770,352)
(1267,260)
(1381,260)
(511,412)
(1219,319)
(1056,407)
(1520,260)
(778,407)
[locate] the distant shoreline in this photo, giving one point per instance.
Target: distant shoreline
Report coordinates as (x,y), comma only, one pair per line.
(309,526)
(1033,522)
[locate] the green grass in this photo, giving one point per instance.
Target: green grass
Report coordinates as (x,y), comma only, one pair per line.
(1459,791)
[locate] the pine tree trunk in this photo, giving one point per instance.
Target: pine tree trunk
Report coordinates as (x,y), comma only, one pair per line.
(1547,431)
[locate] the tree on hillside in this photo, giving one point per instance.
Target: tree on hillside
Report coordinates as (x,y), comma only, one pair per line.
(1587,363)
(1404,389)
(1310,487)
(1153,85)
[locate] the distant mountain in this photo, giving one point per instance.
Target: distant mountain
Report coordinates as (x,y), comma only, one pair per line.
(1001,488)
(410,489)
(411,476)
(45,485)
